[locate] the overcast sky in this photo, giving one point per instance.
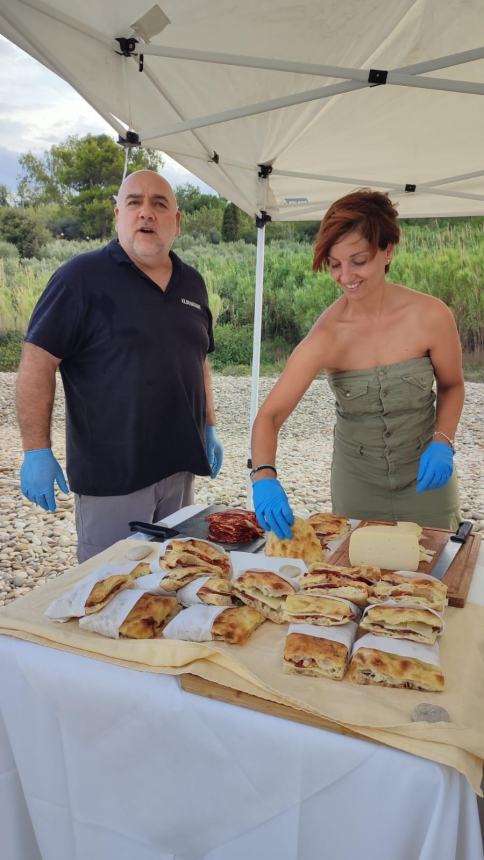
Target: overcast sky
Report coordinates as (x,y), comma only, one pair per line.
(38,109)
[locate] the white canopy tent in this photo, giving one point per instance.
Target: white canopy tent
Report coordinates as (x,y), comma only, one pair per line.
(283,106)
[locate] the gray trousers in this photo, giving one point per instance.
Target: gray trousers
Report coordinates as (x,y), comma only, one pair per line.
(103,520)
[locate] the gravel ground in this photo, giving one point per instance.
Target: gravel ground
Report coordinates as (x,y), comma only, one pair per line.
(36,545)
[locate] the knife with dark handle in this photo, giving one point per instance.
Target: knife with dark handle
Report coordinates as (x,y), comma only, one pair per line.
(161,533)
(450,550)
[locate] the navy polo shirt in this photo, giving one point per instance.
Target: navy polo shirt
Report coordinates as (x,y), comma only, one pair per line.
(132,358)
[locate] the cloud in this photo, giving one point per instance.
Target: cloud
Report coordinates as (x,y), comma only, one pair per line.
(39,109)
(9,168)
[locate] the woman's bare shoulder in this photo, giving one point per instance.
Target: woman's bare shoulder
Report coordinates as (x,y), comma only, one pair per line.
(423,303)
(330,316)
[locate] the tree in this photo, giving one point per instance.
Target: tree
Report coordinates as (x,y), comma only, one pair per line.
(190,199)
(230,223)
(24,229)
(4,195)
(84,173)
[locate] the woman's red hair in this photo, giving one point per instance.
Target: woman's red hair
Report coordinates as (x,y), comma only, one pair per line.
(370,213)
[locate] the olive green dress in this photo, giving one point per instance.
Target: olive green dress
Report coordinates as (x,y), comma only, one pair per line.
(385,418)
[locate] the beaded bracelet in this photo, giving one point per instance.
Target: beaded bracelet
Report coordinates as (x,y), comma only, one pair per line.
(447,438)
(259,469)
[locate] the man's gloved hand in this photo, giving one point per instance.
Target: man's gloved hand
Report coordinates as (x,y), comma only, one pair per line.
(38,472)
(272,507)
(435,467)
(214,449)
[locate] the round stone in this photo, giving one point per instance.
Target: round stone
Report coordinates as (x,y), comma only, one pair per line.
(425,712)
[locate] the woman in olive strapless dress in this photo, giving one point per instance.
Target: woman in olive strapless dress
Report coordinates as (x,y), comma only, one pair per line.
(394,364)
(385,418)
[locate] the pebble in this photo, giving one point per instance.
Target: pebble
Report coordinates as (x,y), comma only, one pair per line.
(36,546)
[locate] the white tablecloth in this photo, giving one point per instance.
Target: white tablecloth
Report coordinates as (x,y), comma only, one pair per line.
(99,762)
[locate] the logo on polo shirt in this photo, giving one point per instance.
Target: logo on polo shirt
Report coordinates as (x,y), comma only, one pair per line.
(192,304)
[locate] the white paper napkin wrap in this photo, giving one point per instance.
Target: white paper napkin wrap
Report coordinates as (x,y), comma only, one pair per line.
(242,561)
(188,595)
(72,604)
(152,583)
(108,621)
(193,624)
(401,647)
(344,633)
(407,605)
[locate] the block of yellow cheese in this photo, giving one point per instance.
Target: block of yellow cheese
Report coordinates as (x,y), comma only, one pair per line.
(385,546)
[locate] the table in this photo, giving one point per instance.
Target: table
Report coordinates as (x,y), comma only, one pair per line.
(99,762)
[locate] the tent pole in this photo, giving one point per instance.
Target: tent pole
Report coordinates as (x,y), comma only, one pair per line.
(259,289)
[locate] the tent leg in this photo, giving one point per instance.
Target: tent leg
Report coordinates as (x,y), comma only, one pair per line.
(259,289)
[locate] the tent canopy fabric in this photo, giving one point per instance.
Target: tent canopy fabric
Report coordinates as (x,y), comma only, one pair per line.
(318,97)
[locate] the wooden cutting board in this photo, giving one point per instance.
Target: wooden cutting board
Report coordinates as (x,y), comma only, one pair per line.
(459,575)
(211,690)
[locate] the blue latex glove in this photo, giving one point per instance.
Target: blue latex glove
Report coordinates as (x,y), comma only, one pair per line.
(38,472)
(214,449)
(272,507)
(435,467)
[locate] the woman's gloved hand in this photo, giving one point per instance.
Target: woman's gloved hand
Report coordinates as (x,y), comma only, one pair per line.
(272,507)
(214,449)
(435,467)
(38,473)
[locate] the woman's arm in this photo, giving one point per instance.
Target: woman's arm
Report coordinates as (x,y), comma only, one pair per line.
(446,357)
(435,465)
(302,367)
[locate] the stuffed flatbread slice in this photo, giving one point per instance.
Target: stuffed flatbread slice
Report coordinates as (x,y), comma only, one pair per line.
(324,611)
(236,624)
(265,591)
(191,552)
(408,589)
(311,655)
(403,622)
(105,589)
(370,666)
(148,617)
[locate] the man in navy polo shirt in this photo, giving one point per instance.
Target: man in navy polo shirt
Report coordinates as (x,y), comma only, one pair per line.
(129,328)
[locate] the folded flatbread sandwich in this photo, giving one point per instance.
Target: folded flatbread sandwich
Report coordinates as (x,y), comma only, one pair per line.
(212,590)
(265,591)
(324,611)
(236,624)
(420,624)
(105,589)
(148,617)
(200,623)
(337,581)
(409,589)
(388,669)
(199,553)
(312,655)
(303,544)
(328,526)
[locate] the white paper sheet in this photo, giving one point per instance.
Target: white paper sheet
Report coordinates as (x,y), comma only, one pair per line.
(72,604)
(108,621)
(193,624)
(344,633)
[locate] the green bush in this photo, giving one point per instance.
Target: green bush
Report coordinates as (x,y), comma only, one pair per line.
(24,229)
(233,345)
(10,351)
(8,251)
